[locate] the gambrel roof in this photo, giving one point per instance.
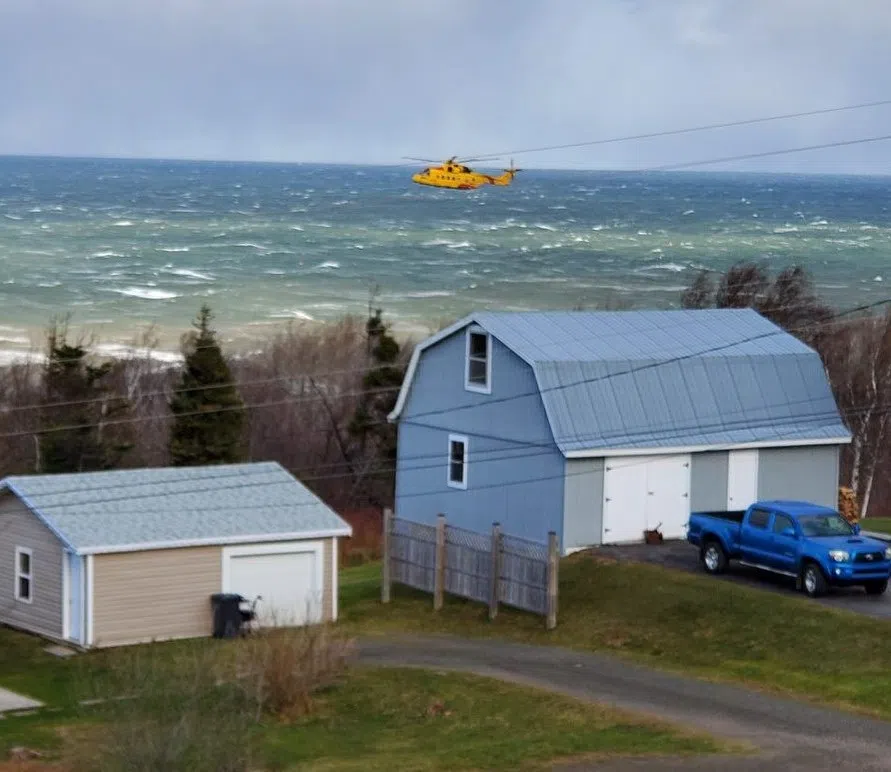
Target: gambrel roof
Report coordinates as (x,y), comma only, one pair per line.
(663,379)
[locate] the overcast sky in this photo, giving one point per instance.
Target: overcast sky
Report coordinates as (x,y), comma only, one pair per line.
(374,80)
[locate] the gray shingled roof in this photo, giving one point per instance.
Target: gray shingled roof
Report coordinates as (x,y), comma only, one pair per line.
(134,509)
(657,379)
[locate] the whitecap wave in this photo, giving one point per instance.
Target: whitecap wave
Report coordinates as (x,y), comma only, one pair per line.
(295,314)
(120,351)
(146,293)
(173,249)
(189,274)
(333,264)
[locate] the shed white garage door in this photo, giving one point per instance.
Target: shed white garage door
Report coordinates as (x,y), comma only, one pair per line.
(287,578)
(645,492)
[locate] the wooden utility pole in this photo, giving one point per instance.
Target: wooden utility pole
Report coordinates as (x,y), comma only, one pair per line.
(553,565)
(385,562)
(439,571)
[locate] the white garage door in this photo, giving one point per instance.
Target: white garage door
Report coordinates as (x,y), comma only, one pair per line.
(288,582)
(645,492)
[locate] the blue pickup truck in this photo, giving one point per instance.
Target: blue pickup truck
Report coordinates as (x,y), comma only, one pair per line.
(815,545)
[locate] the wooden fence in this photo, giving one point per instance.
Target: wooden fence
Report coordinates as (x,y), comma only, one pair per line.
(491,567)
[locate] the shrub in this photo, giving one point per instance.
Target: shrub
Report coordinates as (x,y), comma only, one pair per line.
(280,669)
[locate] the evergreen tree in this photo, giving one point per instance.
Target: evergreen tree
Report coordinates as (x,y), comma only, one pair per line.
(209,415)
(380,390)
(81,428)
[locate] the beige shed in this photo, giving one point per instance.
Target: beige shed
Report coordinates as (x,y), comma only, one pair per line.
(111,558)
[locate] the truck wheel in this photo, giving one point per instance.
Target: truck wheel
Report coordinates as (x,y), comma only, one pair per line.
(713,557)
(813,581)
(877,587)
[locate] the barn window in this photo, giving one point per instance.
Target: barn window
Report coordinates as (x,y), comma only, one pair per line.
(478,371)
(23,574)
(457,461)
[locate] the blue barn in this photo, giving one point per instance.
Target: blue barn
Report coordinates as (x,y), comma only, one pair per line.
(600,425)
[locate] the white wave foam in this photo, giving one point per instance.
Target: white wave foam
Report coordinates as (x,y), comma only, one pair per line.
(19,340)
(189,274)
(120,351)
(329,264)
(296,228)
(543,227)
(146,293)
(17,356)
(12,217)
(429,294)
(106,253)
(688,211)
(295,314)
(173,249)
(786,229)
(123,223)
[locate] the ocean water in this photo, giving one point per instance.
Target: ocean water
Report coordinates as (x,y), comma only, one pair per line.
(123,244)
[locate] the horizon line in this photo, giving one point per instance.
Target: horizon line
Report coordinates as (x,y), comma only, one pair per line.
(392,165)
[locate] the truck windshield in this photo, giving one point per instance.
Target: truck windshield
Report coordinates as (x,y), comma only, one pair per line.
(825,525)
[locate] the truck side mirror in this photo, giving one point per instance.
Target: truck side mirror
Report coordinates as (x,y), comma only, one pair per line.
(789,532)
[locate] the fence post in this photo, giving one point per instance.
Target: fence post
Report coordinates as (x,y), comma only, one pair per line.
(553,564)
(495,578)
(385,563)
(439,575)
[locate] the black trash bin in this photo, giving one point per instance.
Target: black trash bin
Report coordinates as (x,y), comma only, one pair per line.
(227,616)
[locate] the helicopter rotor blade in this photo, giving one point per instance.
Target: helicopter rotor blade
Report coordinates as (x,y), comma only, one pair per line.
(425,160)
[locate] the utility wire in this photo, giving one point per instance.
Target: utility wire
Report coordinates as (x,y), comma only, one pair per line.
(452,409)
(688,130)
(302,377)
(766,153)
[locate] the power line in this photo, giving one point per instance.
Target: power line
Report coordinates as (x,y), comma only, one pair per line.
(766,153)
(658,363)
(689,130)
(6,410)
(646,366)
(184,390)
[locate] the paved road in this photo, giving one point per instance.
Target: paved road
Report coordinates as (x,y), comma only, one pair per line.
(789,735)
(685,557)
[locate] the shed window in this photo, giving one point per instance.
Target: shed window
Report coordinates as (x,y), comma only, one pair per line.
(23,574)
(457,461)
(479,367)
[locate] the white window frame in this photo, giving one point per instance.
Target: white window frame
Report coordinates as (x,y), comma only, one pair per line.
(19,575)
(452,483)
(487,388)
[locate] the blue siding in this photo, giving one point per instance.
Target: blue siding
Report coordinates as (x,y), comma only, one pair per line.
(514,470)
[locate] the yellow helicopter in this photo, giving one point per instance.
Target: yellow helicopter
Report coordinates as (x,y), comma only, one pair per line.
(454,174)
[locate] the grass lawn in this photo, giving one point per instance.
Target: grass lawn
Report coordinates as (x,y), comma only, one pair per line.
(668,619)
(416,720)
(375,719)
(877,524)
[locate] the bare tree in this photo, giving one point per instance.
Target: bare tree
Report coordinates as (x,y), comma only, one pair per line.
(857,356)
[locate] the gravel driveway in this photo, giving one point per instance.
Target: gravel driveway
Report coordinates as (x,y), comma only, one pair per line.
(683,556)
(789,735)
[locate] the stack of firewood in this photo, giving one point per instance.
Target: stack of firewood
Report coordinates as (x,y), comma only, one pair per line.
(847,505)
